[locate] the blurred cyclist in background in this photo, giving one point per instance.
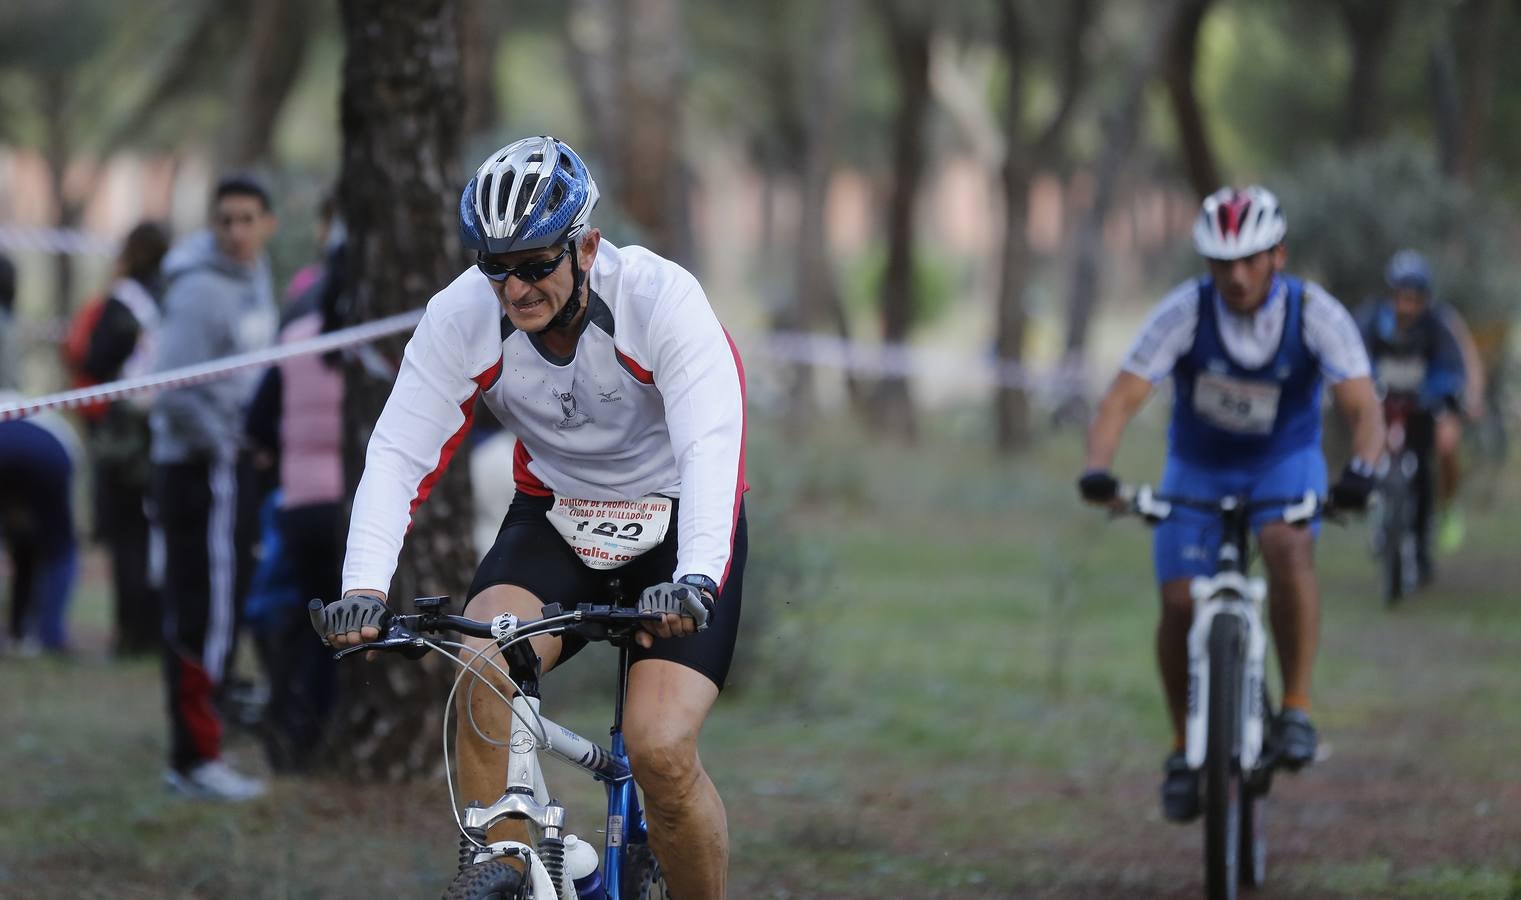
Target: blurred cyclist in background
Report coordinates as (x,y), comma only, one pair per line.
(1247,348)
(1423,349)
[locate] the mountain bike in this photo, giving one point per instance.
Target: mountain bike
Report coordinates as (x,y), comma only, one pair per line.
(1228,730)
(1401,512)
(628,867)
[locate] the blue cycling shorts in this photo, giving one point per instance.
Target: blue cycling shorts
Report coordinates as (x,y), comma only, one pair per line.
(1186,543)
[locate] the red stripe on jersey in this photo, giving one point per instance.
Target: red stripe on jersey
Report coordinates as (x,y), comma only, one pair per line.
(482,382)
(526,481)
(739,479)
(640,373)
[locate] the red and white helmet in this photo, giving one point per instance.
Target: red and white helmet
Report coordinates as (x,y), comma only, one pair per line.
(1234,224)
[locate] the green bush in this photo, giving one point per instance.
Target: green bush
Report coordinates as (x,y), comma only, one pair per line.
(1349,212)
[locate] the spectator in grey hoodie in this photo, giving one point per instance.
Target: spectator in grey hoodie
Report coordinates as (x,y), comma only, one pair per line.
(218,301)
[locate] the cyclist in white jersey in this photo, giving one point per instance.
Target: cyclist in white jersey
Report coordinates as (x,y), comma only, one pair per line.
(1248,349)
(626,396)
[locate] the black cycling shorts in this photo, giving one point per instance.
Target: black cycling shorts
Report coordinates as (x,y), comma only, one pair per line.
(530,554)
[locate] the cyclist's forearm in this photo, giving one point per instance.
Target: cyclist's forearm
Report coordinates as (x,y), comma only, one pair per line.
(1358,403)
(1121,402)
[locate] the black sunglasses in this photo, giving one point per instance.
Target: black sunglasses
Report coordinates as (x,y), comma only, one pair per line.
(528,272)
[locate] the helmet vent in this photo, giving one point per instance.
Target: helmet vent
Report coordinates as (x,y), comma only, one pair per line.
(503,194)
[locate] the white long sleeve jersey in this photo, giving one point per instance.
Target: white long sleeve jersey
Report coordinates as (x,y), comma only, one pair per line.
(652,401)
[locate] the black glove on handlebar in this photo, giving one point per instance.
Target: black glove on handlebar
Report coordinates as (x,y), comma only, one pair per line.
(350,614)
(1098,487)
(678,599)
(1351,490)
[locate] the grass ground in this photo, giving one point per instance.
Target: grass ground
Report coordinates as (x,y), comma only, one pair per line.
(967,710)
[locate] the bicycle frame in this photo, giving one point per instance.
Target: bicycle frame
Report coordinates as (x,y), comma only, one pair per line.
(1229,594)
(1229,591)
(527,795)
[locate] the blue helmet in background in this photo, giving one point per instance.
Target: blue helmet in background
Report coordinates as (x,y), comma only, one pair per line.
(1407,270)
(530,194)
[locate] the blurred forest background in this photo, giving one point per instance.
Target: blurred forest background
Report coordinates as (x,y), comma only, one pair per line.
(931,229)
(985,177)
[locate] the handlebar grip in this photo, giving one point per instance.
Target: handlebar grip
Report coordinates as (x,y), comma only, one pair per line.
(314,612)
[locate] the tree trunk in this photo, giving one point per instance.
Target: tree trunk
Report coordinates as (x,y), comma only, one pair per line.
(593,30)
(401,109)
(1178,72)
(278,33)
(817,295)
(480,33)
(1446,108)
(909,36)
(1369,25)
(1121,129)
(66,210)
(1011,403)
(1477,40)
(652,182)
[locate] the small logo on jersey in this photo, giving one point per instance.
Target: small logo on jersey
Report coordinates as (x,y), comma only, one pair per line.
(1284,371)
(573,418)
(609,396)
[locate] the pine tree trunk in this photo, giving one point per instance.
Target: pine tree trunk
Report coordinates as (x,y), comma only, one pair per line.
(278,34)
(1178,72)
(401,110)
(909,33)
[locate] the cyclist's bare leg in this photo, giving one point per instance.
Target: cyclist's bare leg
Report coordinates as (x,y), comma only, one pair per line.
(482,765)
(1288,552)
(667,703)
(1172,651)
(1449,435)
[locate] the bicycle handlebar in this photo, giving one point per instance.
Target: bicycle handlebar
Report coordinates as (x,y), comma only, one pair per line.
(594,622)
(1143,501)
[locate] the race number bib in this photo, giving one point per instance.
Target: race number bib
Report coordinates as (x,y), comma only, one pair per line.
(1403,374)
(1245,407)
(609,533)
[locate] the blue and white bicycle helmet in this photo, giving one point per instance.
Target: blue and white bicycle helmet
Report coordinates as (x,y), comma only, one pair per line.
(1234,224)
(530,194)
(1407,270)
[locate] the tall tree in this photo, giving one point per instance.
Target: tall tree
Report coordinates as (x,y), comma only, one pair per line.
(401,111)
(632,76)
(1121,128)
(910,30)
(480,33)
(278,34)
(1369,25)
(1179,64)
(816,101)
(1025,154)
(1462,71)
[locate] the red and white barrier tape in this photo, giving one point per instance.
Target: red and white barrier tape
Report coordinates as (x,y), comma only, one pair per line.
(820,351)
(905,361)
(217,368)
(56,240)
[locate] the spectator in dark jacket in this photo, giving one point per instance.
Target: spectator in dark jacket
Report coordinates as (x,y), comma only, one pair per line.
(121,346)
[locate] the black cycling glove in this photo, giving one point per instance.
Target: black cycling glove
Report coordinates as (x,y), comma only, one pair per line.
(694,601)
(350,614)
(1351,490)
(1098,486)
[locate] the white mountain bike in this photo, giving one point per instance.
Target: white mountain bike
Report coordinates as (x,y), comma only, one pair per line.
(549,872)
(1230,710)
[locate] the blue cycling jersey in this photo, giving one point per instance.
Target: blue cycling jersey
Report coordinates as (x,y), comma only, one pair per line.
(1226,414)
(1423,359)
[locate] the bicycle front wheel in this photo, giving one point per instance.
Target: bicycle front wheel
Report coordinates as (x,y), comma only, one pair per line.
(1222,777)
(489,881)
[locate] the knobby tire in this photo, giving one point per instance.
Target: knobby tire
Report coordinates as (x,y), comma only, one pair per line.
(492,880)
(641,879)
(1222,778)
